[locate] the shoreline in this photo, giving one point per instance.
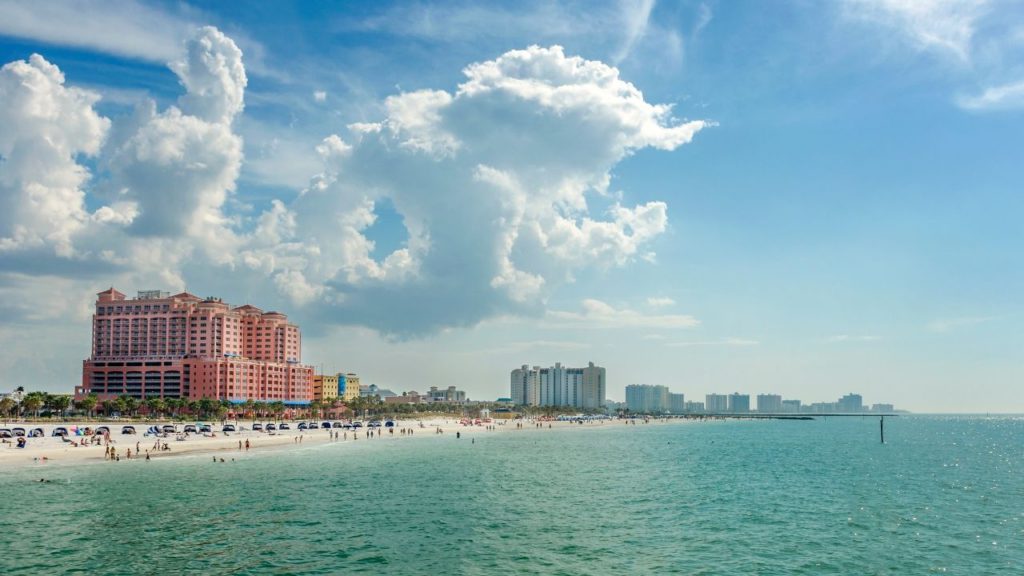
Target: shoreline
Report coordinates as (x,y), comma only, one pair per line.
(53,452)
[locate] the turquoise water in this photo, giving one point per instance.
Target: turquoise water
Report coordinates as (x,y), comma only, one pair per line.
(944,495)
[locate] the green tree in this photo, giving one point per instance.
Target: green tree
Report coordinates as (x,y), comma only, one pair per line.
(7,406)
(33,401)
(89,404)
(207,406)
(110,406)
(277,407)
(156,406)
(59,403)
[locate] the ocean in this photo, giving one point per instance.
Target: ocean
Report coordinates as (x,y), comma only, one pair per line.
(944,495)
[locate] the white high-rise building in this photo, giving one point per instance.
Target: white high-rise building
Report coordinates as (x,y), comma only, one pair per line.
(769,403)
(559,386)
(716,403)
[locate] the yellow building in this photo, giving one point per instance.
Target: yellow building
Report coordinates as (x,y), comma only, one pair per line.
(325,388)
(350,388)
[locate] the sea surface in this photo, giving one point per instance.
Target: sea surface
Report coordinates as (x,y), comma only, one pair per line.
(942,495)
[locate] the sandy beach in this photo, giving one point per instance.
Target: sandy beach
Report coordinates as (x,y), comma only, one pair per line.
(53,450)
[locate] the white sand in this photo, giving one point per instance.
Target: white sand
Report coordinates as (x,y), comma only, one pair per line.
(55,451)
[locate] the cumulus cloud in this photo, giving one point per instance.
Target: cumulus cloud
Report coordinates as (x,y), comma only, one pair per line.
(501,189)
(180,165)
(493,184)
(319,95)
(45,126)
(660,302)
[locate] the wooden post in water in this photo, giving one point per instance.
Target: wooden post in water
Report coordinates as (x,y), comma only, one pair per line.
(881,428)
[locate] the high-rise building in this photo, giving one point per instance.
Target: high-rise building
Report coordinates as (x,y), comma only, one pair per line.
(716,403)
(450,394)
(647,399)
(183,346)
(676,403)
(791,406)
(694,407)
(559,386)
(850,403)
(739,403)
(882,408)
(769,403)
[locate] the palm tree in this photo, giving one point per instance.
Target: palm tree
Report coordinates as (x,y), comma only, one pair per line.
(156,405)
(250,407)
(131,405)
(33,401)
(110,406)
(89,403)
(315,408)
(60,403)
(193,407)
(207,406)
(277,407)
(7,406)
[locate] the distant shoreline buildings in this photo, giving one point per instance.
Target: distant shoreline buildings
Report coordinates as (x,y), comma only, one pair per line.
(656,399)
(559,385)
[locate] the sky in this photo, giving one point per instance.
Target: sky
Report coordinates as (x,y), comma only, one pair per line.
(800,198)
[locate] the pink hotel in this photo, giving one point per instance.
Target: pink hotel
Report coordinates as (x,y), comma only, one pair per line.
(183,346)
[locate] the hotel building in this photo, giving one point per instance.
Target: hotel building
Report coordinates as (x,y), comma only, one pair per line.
(559,386)
(183,346)
(325,387)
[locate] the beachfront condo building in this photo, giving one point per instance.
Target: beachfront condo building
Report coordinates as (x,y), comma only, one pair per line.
(559,386)
(183,346)
(325,387)
(648,399)
(769,403)
(348,386)
(739,403)
(716,403)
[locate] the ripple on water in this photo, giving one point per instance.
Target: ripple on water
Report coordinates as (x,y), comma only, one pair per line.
(942,496)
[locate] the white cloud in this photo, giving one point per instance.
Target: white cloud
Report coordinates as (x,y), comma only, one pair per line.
(491,183)
(45,126)
(319,95)
(996,97)
(213,76)
(944,26)
(121,27)
(849,338)
(180,165)
(730,341)
(598,314)
(946,325)
(660,302)
(977,41)
(636,16)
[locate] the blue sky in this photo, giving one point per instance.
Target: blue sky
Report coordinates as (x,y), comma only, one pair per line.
(800,198)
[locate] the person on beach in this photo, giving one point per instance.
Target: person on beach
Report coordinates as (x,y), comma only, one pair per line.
(147,455)
(239,445)
(246,444)
(128,456)
(137,448)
